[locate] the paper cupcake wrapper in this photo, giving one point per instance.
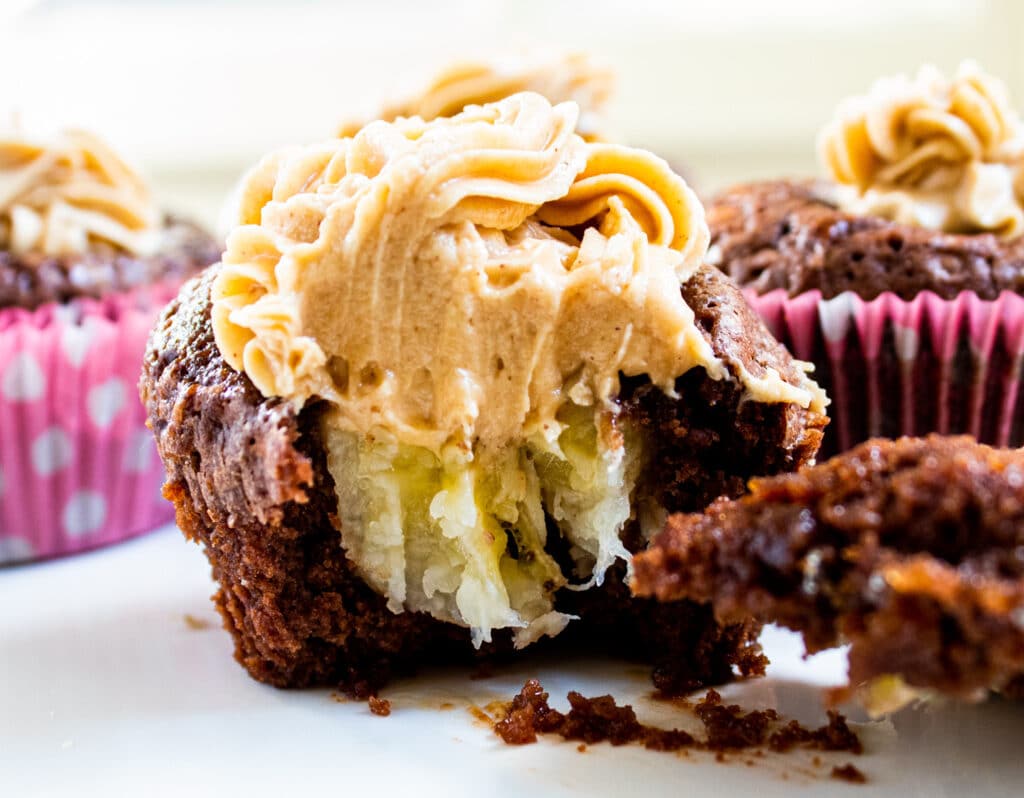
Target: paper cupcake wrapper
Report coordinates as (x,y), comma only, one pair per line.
(897,367)
(78,467)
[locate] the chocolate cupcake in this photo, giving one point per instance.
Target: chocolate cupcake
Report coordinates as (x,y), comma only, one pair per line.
(86,262)
(901,278)
(447,378)
(908,550)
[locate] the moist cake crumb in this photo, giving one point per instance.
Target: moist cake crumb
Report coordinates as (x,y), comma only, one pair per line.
(727,727)
(850,773)
(250,482)
(379,706)
(909,550)
(836,735)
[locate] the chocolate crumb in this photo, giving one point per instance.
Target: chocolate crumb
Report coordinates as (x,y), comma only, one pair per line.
(527,714)
(196,623)
(379,706)
(582,747)
(727,726)
(836,735)
(601,719)
(849,773)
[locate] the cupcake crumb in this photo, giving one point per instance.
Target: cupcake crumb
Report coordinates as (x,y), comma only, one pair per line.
(850,773)
(195,623)
(379,706)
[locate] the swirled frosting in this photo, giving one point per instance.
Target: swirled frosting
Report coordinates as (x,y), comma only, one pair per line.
(558,77)
(465,293)
(939,153)
(65,195)
(433,259)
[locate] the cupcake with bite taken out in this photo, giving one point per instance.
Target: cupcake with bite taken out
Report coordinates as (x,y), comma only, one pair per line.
(448,377)
(902,276)
(86,262)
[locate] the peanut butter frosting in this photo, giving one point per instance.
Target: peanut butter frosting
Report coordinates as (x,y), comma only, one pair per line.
(556,76)
(424,277)
(939,153)
(465,293)
(64,195)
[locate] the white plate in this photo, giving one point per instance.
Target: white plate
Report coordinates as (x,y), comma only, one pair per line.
(106,689)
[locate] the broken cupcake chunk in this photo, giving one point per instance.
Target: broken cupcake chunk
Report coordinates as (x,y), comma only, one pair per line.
(908,550)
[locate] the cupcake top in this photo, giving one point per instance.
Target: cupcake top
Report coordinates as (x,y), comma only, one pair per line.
(59,197)
(926,194)
(946,154)
(460,299)
(556,76)
(77,220)
(458,279)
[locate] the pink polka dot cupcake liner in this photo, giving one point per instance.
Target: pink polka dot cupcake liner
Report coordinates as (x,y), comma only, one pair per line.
(909,367)
(78,467)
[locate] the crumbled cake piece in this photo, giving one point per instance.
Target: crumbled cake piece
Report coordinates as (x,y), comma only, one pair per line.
(248,477)
(909,550)
(726,726)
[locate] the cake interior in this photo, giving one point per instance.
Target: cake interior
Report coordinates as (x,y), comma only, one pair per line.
(467,541)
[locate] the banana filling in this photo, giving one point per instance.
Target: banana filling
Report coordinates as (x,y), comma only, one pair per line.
(466,540)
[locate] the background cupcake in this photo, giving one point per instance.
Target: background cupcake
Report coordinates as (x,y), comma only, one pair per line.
(901,278)
(558,76)
(86,262)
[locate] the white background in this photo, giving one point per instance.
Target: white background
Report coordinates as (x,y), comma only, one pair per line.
(733,89)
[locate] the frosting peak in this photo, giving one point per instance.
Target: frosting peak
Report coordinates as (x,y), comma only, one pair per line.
(62,196)
(557,76)
(940,153)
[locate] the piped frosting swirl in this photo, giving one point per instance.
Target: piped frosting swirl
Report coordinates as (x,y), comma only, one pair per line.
(448,280)
(64,195)
(939,153)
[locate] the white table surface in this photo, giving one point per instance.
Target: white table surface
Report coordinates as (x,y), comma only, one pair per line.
(107,690)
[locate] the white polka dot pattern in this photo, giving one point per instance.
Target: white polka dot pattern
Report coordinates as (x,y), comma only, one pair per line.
(78,469)
(105,401)
(85,512)
(75,342)
(23,379)
(52,451)
(15,550)
(140,452)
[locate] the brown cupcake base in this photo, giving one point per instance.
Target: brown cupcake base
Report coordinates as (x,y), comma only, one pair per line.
(31,280)
(249,482)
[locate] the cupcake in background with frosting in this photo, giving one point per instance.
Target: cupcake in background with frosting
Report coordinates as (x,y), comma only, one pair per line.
(557,76)
(901,276)
(86,262)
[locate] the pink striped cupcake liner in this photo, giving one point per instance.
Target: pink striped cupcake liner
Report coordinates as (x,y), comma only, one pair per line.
(908,367)
(78,467)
